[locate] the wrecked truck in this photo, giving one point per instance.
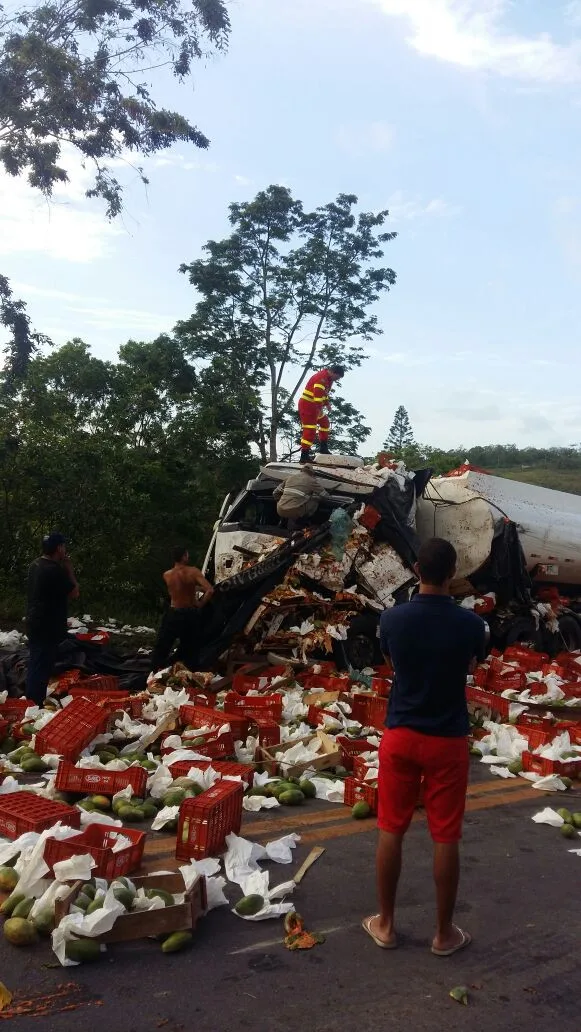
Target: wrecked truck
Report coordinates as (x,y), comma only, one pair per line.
(319,592)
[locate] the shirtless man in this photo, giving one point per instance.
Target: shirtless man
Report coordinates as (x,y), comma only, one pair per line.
(189,593)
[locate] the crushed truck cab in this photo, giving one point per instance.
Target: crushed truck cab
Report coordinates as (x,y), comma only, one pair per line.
(320,590)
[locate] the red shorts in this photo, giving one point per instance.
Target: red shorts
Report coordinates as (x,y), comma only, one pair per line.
(405,757)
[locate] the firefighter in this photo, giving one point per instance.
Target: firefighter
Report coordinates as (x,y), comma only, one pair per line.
(314,398)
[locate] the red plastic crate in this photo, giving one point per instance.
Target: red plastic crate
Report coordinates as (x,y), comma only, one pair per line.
(358,791)
(24,811)
(527,659)
(326,682)
(540,765)
(99,782)
(536,736)
(574,729)
(71,730)
(202,716)
(369,710)
(205,821)
(316,716)
(110,701)
(350,748)
(101,683)
(360,768)
(215,747)
(98,840)
(480,676)
(246,680)
(489,700)
(267,707)
(268,733)
(14,709)
(226,768)
(4,729)
(516,681)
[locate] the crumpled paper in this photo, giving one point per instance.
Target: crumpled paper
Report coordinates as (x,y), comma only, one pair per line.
(242,856)
(76,868)
(300,753)
(85,925)
(92,817)
(246,751)
(164,816)
(255,803)
(331,791)
(215,883)
(31,865)
(204,778)
(548,816)
(257,883)
(503,772)
(550,783)
(159,782)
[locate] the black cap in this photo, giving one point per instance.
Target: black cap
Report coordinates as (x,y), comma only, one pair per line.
(51,542)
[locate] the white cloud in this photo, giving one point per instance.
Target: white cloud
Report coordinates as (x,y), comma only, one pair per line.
(69,227)
(573,14)
(472,34)
(375,137)
(402,207)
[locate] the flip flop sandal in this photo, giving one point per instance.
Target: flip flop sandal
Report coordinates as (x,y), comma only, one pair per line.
(366,925)
(466,940)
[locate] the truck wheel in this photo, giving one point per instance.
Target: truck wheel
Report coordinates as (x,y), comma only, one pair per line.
(570,631)
(362,646)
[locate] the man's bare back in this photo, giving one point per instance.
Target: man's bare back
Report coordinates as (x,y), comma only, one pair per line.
(184,584)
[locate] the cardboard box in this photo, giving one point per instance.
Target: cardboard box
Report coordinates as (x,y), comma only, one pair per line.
(142,924)
(320,699)
(329,755)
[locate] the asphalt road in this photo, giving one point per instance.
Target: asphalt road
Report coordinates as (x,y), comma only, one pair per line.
(519,899)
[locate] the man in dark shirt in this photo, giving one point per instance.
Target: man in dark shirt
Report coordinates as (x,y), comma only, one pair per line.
(51,582)
(432,644)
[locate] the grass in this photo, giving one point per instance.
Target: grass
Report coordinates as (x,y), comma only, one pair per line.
(568,480)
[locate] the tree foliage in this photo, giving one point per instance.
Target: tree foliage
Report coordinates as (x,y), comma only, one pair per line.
(400,435)
(76,75)
(288,291)
(129,458)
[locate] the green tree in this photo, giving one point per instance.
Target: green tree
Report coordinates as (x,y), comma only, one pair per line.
(400,435)
(128,457)
(77,74)
(286,292)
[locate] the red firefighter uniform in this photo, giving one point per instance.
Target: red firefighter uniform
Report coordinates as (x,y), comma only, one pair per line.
(315,395)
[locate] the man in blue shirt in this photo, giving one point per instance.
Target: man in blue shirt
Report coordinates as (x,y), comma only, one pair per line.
(432,644)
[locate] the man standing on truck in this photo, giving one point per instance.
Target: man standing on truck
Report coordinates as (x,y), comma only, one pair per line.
(51,582)
(189,593)
(432,644)
(313,400)
(298,497)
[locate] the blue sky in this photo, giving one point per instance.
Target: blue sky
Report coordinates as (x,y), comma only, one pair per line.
(460,116)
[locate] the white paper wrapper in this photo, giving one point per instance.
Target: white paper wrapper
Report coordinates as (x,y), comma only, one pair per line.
(159,782)
(502,772)
(246,751)
(257,883)
(99,818)
(332,791)
(32,867)
(89,926)
(214,881)
(164,816)
(10,784)
(255,803)
(77,868)
(548,816)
